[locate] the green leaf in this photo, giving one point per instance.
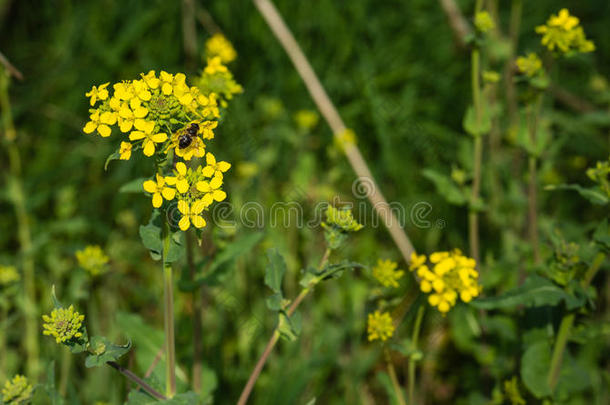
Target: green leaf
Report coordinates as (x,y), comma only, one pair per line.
(105,351)
(133,186)
(470,123)
(274,273)
(176,247)
(287,329)
(79,345)
(446,187)
(594,195)
(536,291)
(113,156)
(151,236)
(221,261)
(275,302)
(602,235)
(139,397)
(535,365)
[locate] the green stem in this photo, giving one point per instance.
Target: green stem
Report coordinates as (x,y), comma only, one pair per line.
(245,394)
(412,361)
(533,186)
(473,219)
(24,233)
(392,372)
(566,325)
(197,313)
(170,349)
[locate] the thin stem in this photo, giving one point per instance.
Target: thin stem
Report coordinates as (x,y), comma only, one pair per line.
(392,372)
(170,349)
(197,313)
(412,361)
(532,197)
(245,394)
(24,233)
(473,218)
(332,117)
(566,325)
(136,380)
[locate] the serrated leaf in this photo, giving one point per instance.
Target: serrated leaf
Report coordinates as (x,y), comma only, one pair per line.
(104,351)
(150,234)
(536,291)
(535,365)
(274,273)
(133,186)
(594,195)
(446,187)
(114,156)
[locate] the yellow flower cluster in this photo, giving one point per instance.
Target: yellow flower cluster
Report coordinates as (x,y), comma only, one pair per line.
(483,22)
(196,189)
(63,324)
(219,45)
(530,65)
(8,275)
(345,138)
(216,78)
(385,272)
(380,326)
(564,33)
(453,276)
(601,175)
(92,259)
(17,391)
(151,110)
(341,219)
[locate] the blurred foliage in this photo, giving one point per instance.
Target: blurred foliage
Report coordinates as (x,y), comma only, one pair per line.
(394,70)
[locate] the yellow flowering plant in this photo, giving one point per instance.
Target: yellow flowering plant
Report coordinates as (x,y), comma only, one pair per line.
(563,35)
(17,391)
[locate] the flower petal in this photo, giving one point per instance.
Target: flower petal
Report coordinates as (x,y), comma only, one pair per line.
(157,200)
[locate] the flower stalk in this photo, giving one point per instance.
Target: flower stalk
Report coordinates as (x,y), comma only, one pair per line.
(392,373)
(412,359)
(170,349)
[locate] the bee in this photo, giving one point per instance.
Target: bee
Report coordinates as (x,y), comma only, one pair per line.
(187,136)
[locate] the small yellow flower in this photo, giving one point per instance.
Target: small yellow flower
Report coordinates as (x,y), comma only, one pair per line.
(129,113)
(530,65)
(160,190)
(563,20)
(385,272)
(483,22)
(214,169)
(306,119)
(219,45)
(63,324)
(215,66)
(151,79)
(191,214)
(8,275)
(169,81)
(380,326)
(140,89)
(100,121)
(123,91)
(92,259)
(97,93)
(145,131)
(342,219)
(125,151)
(182,183)
(563,32)
(212,190)
(345,138)
(17,391)
(416,260)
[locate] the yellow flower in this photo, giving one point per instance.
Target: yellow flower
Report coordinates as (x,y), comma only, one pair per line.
(151,79)
(97,93)
(101,122)
(306,119)
(483,22)
(385,272)
(219,46)
(160,190)
(146,129)
(380,326)
(92,259)
(125,151)
(345,138)
(195,149)
(129,113)
(182,183)
(215,66)
(207,129)
(123,91)
(530,65)
(191,214)
(214,169)
(140,89)
(169,81)
(17,391)
(63,324)
(563,32)
(341,219)
(453,276)
(211,190)
(8,275)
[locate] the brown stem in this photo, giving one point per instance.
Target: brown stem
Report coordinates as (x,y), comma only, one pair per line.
(457,21)
(332,117)
(136,380)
